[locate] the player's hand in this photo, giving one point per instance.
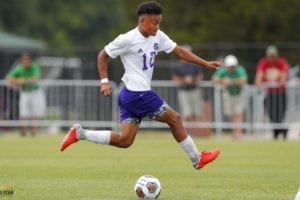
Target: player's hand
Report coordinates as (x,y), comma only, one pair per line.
(106,89)
(214,64)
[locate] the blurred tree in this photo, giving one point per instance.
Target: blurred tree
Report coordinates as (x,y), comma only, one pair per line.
(251,21)
(197,21)
(62,23)
(92,23)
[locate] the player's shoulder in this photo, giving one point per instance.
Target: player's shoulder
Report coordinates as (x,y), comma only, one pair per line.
(161,34)
(129,35)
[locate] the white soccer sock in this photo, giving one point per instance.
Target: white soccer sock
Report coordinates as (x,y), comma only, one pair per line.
(188,145)
(98,137)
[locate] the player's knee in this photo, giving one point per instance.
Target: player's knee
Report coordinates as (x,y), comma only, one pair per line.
(125,143)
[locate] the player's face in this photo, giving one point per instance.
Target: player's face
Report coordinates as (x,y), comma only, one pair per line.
(149,24)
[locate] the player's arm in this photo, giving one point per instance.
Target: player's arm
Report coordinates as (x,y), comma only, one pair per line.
(189,56)
(106,88)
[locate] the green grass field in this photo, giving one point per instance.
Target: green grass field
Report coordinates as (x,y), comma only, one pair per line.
(250,169)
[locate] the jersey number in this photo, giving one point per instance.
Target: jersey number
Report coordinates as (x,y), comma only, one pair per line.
(151,60)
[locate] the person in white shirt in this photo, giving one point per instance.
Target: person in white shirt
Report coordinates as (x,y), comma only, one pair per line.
(137,49)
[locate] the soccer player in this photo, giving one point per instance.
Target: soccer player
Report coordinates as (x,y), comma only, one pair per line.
(138,49)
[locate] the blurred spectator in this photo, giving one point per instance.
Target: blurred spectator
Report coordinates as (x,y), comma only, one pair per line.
(188,75)
(233,77)
(272,70)
(32,104)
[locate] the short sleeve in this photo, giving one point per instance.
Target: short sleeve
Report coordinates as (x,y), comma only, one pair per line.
(117,47)
(166,44)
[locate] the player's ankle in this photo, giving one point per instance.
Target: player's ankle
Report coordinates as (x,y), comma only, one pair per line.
(81,133)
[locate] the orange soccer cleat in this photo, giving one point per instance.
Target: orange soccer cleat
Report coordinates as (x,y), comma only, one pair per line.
(207,157)
(70,138)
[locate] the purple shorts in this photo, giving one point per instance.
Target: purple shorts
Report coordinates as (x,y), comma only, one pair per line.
(136,105)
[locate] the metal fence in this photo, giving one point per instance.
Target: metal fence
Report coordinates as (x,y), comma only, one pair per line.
(70,101)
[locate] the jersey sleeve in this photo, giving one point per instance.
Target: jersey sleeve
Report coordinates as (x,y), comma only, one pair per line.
(117,47)
(166,44)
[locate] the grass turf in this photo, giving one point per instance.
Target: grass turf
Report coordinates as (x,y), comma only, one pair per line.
(247,169)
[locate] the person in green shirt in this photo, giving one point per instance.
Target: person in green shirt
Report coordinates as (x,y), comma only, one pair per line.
(32,104)
(233,77)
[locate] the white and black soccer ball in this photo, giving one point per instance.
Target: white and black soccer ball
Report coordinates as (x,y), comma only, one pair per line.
(147,187)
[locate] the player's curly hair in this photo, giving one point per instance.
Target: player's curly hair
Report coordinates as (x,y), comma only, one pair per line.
(150,8)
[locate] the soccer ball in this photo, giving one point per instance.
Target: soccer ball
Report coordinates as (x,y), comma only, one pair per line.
(147,187)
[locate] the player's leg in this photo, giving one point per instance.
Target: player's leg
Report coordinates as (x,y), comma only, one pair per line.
(174,120)
(129,127)
(123,140)
(199,160)
(126,139)
(106,137)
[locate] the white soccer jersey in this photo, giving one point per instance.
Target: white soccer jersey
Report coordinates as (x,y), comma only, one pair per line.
(137,54)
